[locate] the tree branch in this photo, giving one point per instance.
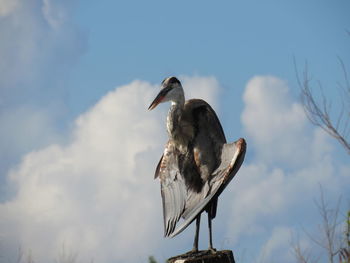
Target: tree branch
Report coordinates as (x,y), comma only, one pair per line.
(319,113)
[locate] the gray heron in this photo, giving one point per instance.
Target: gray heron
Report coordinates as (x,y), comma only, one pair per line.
(197,163)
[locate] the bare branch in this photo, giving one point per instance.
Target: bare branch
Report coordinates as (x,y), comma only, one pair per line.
(329,226)
(30,258)
(346,79)
(329,236)
(319,114)
(20,255)
(67,257)
(301,255)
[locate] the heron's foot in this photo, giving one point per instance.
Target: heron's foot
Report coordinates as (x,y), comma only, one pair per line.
(212,250)
(192,252)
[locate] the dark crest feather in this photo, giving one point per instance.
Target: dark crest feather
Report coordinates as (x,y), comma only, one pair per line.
(171,80)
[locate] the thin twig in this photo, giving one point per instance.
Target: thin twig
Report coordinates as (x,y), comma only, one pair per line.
(320,114)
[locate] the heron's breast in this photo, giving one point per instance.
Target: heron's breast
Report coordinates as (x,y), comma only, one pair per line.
(182,133)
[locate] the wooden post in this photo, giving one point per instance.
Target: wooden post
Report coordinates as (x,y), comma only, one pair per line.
(205,256)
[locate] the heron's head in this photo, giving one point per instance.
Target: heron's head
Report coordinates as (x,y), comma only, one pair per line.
(171,91)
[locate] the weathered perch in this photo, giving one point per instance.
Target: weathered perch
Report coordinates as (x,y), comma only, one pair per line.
(204,256)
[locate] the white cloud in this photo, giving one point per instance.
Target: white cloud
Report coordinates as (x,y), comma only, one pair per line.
(199,87)
(38,40)
(278,246)
(34,42)
(290,160)
(95,194)
(55,13)
(274,123)
(8,6)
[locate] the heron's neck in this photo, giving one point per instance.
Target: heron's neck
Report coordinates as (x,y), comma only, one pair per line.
(173,118)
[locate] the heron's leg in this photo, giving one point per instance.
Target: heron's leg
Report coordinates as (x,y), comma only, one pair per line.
(195,242)
(210,233)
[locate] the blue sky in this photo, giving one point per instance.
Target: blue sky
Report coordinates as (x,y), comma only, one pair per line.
(232,40)
(77,142)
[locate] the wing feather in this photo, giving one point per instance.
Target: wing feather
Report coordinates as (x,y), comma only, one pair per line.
(232,158)
(173,188)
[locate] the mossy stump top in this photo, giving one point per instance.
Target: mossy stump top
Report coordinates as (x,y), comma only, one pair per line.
(204,256)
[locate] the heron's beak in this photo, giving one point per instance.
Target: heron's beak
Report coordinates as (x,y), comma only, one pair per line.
(156,101)
(160,97)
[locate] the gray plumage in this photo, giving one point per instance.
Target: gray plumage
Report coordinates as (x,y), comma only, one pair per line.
(197,163)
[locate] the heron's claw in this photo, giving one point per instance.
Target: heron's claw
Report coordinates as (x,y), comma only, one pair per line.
(193,251)
(212,250)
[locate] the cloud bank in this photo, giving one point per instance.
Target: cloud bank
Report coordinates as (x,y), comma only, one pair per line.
(39,46)
(274,194)
(95,194)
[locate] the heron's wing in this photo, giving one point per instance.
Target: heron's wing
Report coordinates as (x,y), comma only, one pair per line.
(205,120)
(189,181)
(231,160)
(207,143)
(173,188)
